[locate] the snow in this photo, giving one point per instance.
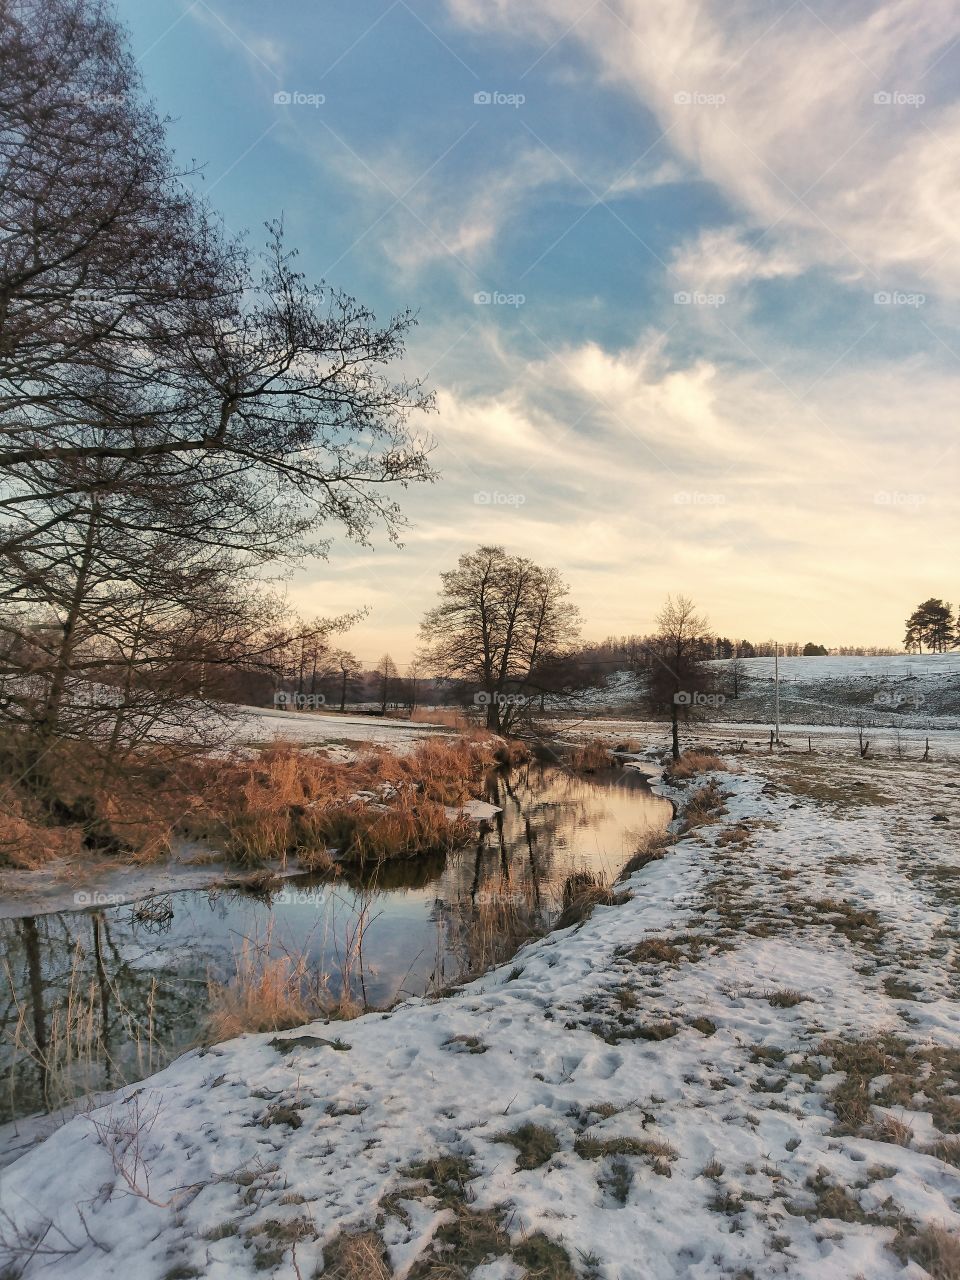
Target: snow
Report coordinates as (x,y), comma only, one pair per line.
(553,1035)
(919,691)
(265,724)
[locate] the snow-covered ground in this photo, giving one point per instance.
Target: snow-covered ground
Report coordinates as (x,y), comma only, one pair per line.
(745,1070)
(261,725)
(920,691)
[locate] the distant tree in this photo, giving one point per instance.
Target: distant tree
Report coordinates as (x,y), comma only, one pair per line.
(500,621)
(736,670)
(678,673)
(932,624)
(811,650)
(347,670)
(387,678)
(723,647)
(746,650)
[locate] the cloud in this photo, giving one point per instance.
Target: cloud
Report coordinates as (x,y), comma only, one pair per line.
(833,134)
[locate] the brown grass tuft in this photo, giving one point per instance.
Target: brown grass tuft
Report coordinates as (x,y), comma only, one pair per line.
(360,1256)
(591,757)
(692,763)
(935,1248)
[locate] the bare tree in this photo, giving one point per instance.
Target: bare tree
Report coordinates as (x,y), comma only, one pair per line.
(387,678)
(501,618)
(175,412)
(678,674)
(347,668)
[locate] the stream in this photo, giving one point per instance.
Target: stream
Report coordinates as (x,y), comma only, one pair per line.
(111,995)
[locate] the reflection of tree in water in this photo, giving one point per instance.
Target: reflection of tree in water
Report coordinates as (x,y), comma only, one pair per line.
(94,999)
(541,807)
(83,1008)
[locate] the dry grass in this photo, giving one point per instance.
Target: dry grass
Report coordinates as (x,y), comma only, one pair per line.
(704,806)
(890,1129)
(653,846)
(582,891)
(692,763)
(591,757)
(271,992)
(534,1143)
(452,717)
(69,1060)
(281,804)
(297,803)
(489,931)
(359,1256)
(659,1154)
(935,1248)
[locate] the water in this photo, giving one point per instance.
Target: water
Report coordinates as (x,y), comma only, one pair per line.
(112,995)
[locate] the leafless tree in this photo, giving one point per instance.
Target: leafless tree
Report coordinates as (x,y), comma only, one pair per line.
(678,673)
(500,619)
(176,413)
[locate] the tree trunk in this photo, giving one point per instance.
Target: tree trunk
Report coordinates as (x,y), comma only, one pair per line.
(50,717)
(676,731)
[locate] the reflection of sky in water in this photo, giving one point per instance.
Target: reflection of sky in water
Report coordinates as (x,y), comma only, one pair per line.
(160,954)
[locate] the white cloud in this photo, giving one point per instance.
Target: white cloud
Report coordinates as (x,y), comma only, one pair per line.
(778,109)
(638,476)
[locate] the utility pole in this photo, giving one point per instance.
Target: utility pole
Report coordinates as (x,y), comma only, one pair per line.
(776,689)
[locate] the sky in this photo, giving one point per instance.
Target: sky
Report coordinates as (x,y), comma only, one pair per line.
(686,273)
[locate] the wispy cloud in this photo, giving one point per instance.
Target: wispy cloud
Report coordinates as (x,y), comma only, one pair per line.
(831,131)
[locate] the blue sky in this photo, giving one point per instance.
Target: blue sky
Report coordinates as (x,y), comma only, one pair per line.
(722,246)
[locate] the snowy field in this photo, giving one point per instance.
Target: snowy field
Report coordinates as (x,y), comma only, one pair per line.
(749,1069)
(263,725)
(909,691)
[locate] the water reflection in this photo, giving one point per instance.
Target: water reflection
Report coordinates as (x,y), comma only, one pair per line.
(89,1000)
